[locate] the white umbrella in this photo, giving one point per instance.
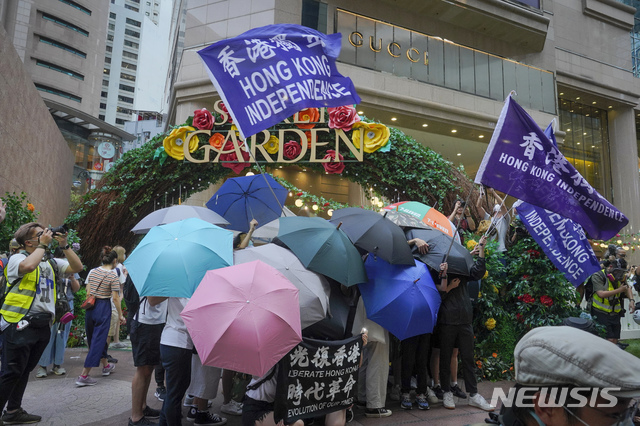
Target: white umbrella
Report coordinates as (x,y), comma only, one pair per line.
(175,214)
(269,231)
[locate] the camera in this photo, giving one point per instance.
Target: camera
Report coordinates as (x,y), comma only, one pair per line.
(59,230)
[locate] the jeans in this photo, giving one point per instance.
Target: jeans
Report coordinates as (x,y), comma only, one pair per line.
(54,352)
(21,352)
(97,321)
(159,375)
(177,369)
(415,353)
(461,337)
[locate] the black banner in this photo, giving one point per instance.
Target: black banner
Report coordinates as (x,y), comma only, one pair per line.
(317,377)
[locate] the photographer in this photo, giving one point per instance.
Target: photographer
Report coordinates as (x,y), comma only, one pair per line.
(606,305)
(28,311)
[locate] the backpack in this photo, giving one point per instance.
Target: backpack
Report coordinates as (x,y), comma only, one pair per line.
(131,297)
(588,287)
(62,303)
(5,286)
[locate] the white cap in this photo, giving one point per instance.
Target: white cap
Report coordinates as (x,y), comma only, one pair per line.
(496,208)
(559,355)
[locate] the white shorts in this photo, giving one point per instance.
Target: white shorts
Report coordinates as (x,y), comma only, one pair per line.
(204,380)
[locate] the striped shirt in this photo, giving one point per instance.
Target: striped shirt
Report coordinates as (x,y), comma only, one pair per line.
(109,279)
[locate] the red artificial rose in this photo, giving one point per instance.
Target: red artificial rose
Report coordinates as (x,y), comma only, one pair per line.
(333,166)
(343,117)
(202,119)
(230,160)
(223,107)
(519,317)
(292,149)
(546,300)
(526,298)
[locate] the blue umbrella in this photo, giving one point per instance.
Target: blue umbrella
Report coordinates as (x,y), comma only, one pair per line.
(172,259)
(402,299)
(249,197)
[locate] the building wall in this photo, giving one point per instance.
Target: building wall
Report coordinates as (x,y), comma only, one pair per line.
(35,157)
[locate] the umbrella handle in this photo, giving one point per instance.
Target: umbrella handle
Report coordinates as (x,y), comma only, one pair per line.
(339,225)
(415,281)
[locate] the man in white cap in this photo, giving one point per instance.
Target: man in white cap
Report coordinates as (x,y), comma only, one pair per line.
(566,376)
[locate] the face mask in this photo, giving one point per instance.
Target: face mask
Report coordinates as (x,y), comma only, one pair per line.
(536,418)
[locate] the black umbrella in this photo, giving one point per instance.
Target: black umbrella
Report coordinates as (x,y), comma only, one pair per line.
(459,259)
(375,234)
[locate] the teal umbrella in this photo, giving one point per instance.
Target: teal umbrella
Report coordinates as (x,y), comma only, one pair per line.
(172,259)
(323,248)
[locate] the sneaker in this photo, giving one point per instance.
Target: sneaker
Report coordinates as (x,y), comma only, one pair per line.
(59,371)
(191,415)
(405,403)
(85,381)
(349,415)
(447,401)
(431,396)
(414,382)
(118,345)
(108,369)
(421,402)
(19,417)
(377,412)
(188,401)
(209,419)
(151,413)
(111,360)
(232,407)
(439,393)
(478,400)
(161,392)
(455,389)
(394,395)
(142,421)
(41,373)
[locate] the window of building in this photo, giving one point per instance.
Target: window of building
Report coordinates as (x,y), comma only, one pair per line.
(112,15)
(127,77)
(103,94)
(101,117)
(132,33)
(134,22)
(59,69)
(124,110)
(314,15)
(586,141)
(105,82)
(109,37)
(127,88)
(131,44)
(62,46)
(58,92)
(125,99)
(109,48)
(76,6)
(128,66)
(112,26)
(119,121)
(107,60)
(103,105)
(146,13)
(106,71)
(135,9)
(129,55)
(65,24)
(134,1)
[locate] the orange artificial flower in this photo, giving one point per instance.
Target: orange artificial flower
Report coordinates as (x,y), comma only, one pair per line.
(308,134)
(495,355)
(30,207)
(312,115)
(217,141)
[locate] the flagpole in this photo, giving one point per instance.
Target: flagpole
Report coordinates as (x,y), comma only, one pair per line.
(446,256)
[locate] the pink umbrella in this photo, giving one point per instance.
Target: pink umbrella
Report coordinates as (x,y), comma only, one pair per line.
(240,318)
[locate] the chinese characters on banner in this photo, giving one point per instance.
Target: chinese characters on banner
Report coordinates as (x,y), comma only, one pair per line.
(562,240)
(317,377)
(522,162)
(267,74)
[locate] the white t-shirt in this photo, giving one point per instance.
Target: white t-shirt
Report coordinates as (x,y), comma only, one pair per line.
(152,315)
(175,331)
(502,227)
(44,299)
(266,391)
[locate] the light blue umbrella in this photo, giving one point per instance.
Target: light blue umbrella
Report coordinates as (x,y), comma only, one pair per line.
(172,259)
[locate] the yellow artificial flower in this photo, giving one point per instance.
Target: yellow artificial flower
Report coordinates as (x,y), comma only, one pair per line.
(471,244)
(233,127)
(486,274)
(479,295)
(174,143)
(495,289)
(374,135)
(490,324)
(272,144)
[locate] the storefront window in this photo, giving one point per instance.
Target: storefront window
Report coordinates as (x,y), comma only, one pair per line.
(586,141)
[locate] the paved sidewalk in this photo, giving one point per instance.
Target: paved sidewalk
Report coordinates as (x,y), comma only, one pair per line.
(61,403)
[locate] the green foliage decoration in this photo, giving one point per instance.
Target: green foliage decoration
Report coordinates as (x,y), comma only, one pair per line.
(19,212)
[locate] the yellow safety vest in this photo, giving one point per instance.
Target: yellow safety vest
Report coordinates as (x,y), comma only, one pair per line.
(609,304)
(19,298)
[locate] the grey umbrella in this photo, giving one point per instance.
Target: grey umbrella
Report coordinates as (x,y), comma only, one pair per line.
(268,231)
(313,288)
(404,220)
(175,214)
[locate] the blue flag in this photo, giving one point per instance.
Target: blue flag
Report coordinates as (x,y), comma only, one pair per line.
(267,74)
(521,161)
(562,240)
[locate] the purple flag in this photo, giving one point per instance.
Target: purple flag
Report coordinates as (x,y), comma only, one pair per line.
(562,240)
(521,161)
(267,74)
